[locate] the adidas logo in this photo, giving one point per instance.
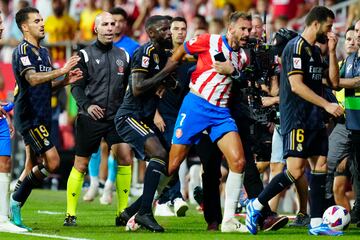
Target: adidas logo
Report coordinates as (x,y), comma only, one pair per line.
(73,194)
(125,190)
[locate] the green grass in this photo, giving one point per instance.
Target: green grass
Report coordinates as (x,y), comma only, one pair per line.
(96,221)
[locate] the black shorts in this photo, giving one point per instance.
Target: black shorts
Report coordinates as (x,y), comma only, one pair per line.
(346,172)
(304,143)
(39,139)
(89,132)
(135,133)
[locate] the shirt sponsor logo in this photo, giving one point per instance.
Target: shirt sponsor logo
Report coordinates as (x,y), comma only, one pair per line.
(25,61)
(145,62)
(297,63)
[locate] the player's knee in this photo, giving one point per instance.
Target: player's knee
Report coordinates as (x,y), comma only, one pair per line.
(53,164)
(238,165)
(125,161)
(296,173)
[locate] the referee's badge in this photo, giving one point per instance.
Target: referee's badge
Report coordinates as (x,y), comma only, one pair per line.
(120,65)
(178,133)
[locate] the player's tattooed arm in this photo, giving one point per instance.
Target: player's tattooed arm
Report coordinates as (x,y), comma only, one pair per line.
(72,77)
(36,78)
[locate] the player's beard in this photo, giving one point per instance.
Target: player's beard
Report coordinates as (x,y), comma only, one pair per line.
(166,43)
(321,37)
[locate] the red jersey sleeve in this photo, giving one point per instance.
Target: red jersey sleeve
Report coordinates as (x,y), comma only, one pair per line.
(198,44)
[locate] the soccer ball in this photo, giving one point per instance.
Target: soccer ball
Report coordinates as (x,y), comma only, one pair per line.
(131,225)
(337,217)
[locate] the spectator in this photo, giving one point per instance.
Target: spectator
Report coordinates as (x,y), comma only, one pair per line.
(87,18)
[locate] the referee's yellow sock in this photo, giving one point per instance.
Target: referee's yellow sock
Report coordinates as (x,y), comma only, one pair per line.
(74,184)
(123,182)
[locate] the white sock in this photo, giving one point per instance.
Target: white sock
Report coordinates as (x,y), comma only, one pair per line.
(108,187)
(257,205)
(94,182)
(315,222)
(232,194)
(4,195)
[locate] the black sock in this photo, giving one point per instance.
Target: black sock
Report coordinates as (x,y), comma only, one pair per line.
(317,194)
(153,172)
(17,185)
(134,207)
(33,180)
(276,185)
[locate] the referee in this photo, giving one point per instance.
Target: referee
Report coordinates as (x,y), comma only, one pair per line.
(98,95)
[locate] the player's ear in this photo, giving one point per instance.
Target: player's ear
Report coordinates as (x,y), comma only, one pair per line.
(95,30)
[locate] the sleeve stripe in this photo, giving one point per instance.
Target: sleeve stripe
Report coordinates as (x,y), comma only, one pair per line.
(28,68)
(139,70)
(295,72)
(298,46)
(186,49)
(86,57)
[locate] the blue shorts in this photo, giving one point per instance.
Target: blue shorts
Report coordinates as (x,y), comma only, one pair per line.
(196,115)
(5,143)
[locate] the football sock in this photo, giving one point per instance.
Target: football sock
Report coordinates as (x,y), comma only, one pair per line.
(276,185)
(74,184)
(153,172)
(32,180)
(317,194)
(123,183)
(232,194)
(4,195)
(94,164)
(134,207)
(112,168)
(17,185)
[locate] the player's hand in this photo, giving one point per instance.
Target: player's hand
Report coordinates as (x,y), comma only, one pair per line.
(267,101)
(334,109)
(160,91)
(96,112)
(70,63)
(2,112)
(12,130)
(74,75)
(332,41)
(159,122)
(224,68)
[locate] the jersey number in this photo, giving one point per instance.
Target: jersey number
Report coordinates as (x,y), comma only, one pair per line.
(183,116)
(42,131)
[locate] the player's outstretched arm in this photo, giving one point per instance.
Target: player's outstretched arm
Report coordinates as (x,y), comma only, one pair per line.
(299,88)
(72,77)
(36,78)
(349,82)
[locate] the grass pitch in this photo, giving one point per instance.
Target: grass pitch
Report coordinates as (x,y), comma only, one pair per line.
(45,213)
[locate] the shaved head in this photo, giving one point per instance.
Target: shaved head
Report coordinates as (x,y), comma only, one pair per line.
(105,27)
(101,16)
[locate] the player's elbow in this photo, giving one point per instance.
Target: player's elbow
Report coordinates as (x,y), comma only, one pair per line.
(32,81)
(136,91)
(294,88)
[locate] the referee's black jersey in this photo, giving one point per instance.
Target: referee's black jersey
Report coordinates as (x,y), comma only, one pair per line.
(32,104)
(150,61)
(299,57)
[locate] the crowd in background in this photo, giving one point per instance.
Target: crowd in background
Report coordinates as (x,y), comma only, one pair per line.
(69,27)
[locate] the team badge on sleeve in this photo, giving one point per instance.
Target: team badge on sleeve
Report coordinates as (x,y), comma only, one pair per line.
(25,61)
(192,41)
(145,62)
(297,63)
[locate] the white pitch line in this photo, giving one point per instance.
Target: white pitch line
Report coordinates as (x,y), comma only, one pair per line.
(51,236)
(50,212)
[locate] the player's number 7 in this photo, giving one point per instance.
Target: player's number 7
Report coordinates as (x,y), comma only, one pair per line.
(183,116)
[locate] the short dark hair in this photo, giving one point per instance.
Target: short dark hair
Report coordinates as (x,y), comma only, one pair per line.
(119,11)
(236,15)
(151,21)
(23,15)
(351,28)
(320,14)
(178,19)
